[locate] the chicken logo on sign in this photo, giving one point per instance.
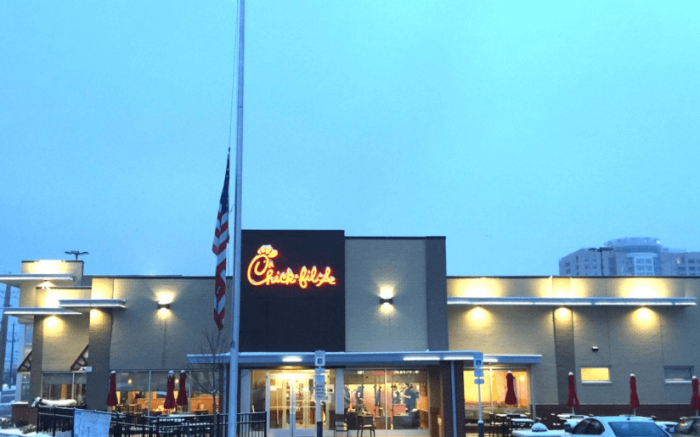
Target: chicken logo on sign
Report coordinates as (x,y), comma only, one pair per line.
(261,271)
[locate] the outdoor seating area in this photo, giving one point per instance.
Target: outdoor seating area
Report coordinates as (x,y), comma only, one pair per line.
(54,419)
(503,424)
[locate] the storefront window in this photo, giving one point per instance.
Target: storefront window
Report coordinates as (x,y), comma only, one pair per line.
(24,388)
(132,392)
(257,390)
(144,392)
(79,387)
(57,386)
(205,392)
(68,385)
(394,399)
(159,388)
(493,392)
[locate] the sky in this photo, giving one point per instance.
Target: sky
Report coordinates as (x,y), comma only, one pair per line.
(520,131)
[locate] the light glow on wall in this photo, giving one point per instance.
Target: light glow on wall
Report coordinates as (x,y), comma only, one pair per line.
(644,318)
(96,316)
(386,291)
(562,313)
(476,287)
(53,325)
(644,288)
(387,309)
(49,266)
(165,297)
(478,318)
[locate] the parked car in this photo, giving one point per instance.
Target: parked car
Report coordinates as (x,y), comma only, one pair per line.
(618,426)
(688,426)
(571,420)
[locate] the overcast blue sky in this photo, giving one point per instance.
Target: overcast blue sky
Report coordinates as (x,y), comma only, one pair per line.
(521,131)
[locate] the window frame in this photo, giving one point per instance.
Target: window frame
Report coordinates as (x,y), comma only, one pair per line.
(691,372)
(595,381)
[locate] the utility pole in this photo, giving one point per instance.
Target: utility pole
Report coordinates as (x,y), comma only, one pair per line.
(12,357)
(3,332)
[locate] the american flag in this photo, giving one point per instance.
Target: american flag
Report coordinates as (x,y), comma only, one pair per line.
(219,249)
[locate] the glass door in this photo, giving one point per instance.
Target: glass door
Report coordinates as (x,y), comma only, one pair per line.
(292,405)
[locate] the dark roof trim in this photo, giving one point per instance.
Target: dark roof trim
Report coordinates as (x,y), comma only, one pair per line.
(393,238)
(567,276)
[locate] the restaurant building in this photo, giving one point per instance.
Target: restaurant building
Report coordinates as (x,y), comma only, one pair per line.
(400,337)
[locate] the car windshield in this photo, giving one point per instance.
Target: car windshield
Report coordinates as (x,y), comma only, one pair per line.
(637,429)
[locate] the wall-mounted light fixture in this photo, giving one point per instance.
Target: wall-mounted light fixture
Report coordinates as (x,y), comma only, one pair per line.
(594,348)
(163,305)
(383,300)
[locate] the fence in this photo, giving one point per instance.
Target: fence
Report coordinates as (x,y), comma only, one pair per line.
(53,420)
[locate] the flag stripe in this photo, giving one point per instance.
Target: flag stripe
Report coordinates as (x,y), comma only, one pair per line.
(221,238)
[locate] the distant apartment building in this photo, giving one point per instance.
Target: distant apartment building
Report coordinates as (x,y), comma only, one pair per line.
(630,257)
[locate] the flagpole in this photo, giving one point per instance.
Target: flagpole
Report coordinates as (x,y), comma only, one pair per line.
(235,317)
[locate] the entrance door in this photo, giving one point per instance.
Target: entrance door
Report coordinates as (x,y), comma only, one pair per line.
(292,405)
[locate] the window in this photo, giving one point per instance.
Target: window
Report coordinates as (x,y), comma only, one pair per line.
(595,374)
(493,391)
(595,428)
(678,373)
(629,429)
(581,427)
(397,398)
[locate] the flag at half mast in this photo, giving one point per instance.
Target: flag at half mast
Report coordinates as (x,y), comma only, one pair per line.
(219,249)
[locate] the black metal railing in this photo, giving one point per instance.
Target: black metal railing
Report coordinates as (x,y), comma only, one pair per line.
(53,420)
(252,424)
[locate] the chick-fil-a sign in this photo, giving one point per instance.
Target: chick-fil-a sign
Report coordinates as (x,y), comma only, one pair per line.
(261,271)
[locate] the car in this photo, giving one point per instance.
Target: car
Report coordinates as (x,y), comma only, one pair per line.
(618,426)
(688,426)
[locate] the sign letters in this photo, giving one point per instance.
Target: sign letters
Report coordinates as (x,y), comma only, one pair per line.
(261,272)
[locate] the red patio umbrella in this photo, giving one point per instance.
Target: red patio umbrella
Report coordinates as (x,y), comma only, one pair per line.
(634,399)
(112,395)
(695,399)
(510,392)
(169,403)
(182,391)
(573,399)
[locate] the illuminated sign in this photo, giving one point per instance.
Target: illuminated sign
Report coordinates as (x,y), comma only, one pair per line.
(261,272)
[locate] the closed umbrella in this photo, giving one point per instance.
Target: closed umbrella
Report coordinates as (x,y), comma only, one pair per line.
(573,399)
(510,391)
(169,403)
(112,395)
(634,399)
(182,391)
(695,399)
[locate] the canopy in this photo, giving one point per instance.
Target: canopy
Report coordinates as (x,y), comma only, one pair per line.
(510,392)
(169,403)
(112,395)
(573,399)
(634,399)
